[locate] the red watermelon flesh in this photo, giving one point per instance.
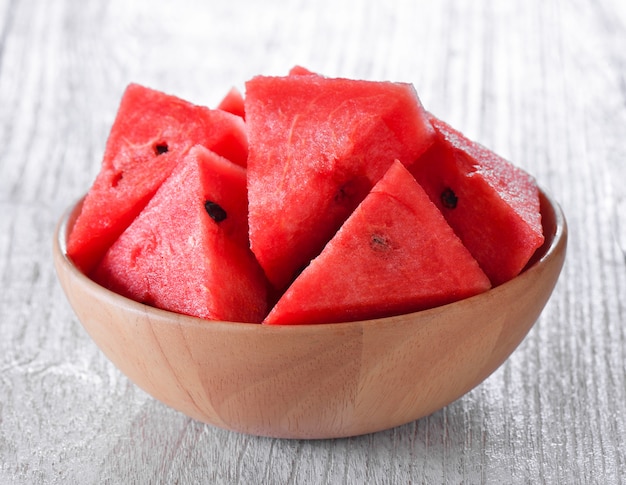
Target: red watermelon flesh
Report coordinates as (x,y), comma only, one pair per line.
(492,205)
(233,103)
(185,253)
(395,254)
(151,133)
(301,71)
(317,146)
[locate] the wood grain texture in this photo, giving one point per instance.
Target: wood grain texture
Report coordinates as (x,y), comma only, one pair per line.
(541,82)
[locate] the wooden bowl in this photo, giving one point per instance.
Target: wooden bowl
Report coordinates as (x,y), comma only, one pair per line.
(316,381)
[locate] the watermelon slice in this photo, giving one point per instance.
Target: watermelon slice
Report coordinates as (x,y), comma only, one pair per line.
(233,103)
(317,146)
(492,205)
(301,71)
(188,251)
(395,254)
(151,133)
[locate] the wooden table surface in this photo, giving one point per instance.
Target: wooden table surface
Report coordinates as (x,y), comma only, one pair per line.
(541,82)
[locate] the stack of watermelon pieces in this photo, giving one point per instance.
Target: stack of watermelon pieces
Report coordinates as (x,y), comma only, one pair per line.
(308,200)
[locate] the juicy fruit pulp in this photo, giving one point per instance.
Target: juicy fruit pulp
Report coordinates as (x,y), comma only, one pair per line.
(397,244)
(317,146)
(152,132)
(319,200)
(492,205)
(176,253)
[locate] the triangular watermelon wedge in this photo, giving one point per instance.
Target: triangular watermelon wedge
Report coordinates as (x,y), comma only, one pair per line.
(151,133)
(395,254)
(317,146)
(492,205)
(233,103)
(301,71)
(187,251)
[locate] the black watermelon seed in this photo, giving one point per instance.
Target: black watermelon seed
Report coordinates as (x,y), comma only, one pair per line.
(449,198)
(161,148)
(215,211)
